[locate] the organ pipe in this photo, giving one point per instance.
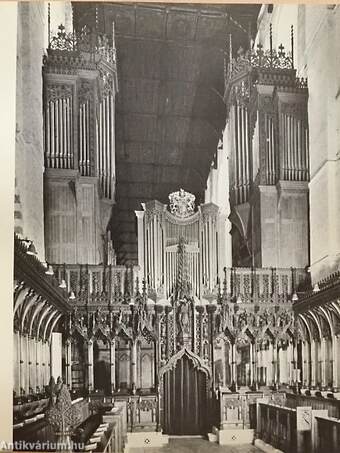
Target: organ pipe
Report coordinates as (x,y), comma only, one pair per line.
(294,148)
(58,133)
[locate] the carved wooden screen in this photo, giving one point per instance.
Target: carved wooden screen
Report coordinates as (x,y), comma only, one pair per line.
(184,399)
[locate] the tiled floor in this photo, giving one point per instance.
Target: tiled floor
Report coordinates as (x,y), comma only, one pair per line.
(195,445)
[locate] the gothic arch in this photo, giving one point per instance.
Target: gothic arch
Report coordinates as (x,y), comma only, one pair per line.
(53,314)
(314,326)
(53,324)
(35,313)
(326,323)
(303,321)
(20,296)
(194,358)
(26,308)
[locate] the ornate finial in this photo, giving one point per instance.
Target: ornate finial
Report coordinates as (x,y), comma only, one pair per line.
(271,39)
(225,281)
(113,35)
(182,204)
(183,283)
(292,44)
(62,40)
(49,22)
(61,415)
(144,288)
(249,35)
(96,17)
(230,50)
(137,285)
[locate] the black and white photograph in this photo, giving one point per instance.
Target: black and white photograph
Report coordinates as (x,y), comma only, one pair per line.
(175,242)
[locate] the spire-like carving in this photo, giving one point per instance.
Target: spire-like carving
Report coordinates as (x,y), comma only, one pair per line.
(183,284)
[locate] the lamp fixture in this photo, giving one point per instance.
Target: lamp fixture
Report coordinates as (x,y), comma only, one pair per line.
(62,284)
(49,270)
(31,249)
(316,288)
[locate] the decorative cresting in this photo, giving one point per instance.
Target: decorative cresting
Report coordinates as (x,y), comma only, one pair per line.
(182,204)
(80,83)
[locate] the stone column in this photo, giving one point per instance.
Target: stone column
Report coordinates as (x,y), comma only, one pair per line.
(280,361)
(290,362)
(16,363)
(36,364)
(233,366)
(270,362)
(305,361)
(48,362)
(90,376)
(313,363)
(31,364)
(22,362)
(274,362)
(294,357)
(43,364)
(251,377)
(335,352)
(323,362)
(133,364)
(68,345)
(255,358)
(113,365)
(224,364)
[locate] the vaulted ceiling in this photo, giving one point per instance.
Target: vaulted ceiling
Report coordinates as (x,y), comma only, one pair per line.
(169,108)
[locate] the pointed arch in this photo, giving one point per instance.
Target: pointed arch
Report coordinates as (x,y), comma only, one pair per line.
(194,358)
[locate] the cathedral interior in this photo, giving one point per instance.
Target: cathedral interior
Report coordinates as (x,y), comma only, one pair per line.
(176,243)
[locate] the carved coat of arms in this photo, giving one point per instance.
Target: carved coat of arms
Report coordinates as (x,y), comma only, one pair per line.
(182,204)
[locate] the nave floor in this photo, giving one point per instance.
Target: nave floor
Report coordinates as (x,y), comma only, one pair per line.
(196,445)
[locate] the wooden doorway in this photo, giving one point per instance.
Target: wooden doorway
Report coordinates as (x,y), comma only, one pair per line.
(184,398)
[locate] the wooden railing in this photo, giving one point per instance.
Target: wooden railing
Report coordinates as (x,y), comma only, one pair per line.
(141,413)
(264,284)
(25,411)
(276,425)
(327,439)
(303,427)
(317,403)
(98,284)
(110,435)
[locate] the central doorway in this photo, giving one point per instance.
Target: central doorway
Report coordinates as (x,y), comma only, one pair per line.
(184,401)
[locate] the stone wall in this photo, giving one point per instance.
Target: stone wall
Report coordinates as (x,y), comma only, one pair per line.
(29,122)
(323,60)
(317,55)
